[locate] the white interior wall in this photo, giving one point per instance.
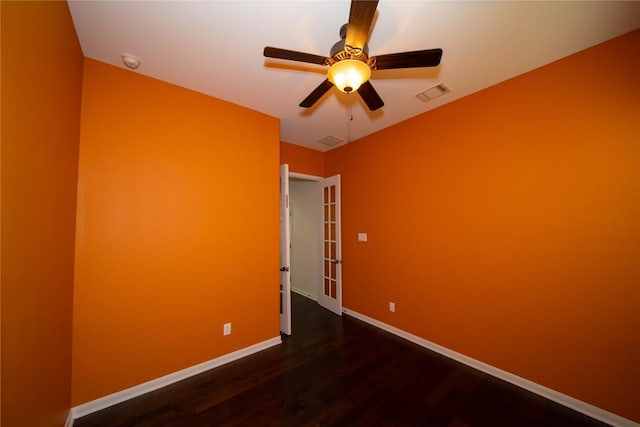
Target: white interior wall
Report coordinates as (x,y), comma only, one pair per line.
(306,237)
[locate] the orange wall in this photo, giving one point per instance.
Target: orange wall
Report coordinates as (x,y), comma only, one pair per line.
(41,84)
(301,159)
(176,234)
(506,225)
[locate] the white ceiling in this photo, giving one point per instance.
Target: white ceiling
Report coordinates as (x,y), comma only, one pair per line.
(215,47)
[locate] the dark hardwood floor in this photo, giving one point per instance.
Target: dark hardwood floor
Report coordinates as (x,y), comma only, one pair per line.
(339,372)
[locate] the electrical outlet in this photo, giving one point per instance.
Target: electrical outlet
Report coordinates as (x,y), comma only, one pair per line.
(226,329)
(392,307)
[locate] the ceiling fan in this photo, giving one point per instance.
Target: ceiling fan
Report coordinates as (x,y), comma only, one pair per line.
(349,62)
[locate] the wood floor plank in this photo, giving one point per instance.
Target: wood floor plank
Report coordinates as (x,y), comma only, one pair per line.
(338,371)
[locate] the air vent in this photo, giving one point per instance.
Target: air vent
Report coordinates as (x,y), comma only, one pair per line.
(331,141)
(432,93)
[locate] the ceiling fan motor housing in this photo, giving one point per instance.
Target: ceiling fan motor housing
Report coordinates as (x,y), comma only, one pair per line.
(340,50)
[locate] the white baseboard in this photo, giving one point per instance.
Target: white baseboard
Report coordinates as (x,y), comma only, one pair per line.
(121,396)
(563,399)
(304,293)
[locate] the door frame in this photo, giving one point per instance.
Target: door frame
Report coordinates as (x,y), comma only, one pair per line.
(305,176)
(316,259)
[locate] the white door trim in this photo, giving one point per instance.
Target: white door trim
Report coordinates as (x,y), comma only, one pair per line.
(305,176)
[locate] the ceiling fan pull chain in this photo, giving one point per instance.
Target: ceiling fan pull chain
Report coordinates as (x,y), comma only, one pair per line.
(349,120)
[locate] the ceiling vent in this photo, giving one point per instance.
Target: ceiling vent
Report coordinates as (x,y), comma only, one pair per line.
(331,141)
(432,93)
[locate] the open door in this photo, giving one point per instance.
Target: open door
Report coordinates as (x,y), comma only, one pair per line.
(330,295)
(285,253)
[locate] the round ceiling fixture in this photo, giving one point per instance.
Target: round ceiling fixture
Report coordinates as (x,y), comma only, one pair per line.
(130,61)
(349,74)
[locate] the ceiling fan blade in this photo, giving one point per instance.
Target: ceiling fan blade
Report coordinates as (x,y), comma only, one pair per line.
(292,55)
(370,96)
(418,58)
(316,94)
(360,18)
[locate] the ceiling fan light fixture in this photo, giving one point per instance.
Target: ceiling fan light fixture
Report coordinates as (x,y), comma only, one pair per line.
(347,75)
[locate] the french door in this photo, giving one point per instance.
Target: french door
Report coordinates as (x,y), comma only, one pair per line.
(330,295)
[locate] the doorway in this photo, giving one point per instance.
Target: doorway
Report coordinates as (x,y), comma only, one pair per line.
(306,236)
(311,261)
